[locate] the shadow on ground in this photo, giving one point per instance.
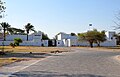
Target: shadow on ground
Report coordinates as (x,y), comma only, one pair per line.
(50,74)
(26,55)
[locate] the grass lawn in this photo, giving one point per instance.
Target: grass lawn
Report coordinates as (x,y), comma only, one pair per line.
(48,49)
(33,49)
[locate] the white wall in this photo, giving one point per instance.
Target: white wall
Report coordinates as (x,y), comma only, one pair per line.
(112,42)
(83,43)
(74,42)
(110,34)
(23,37)
(24,43)
(59,43)
(34,39)
(37,35)
(62,36)
(6,42)
(68,40)
(106,43)
(45,43)
(59,37)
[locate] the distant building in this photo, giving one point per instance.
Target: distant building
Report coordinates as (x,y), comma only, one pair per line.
(67,40)
(62,40)
(34,39)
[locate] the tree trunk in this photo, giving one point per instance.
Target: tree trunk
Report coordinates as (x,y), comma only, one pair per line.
(98,44)
(27,37)
(27,34)
(91,44)
(4,34)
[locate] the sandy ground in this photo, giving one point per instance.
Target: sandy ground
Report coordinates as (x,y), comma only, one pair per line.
(48,49)
(35,49)
(109,49)
(21,53)
(24,52)
(118,57)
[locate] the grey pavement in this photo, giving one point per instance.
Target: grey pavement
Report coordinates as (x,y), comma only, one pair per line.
(79,63)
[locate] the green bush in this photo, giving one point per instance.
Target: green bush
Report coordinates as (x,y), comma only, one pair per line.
(12,45)
(17,41)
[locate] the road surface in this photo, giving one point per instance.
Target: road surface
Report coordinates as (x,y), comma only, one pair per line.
(79,63)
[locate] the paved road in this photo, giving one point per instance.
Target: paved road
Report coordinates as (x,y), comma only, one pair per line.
(80,63)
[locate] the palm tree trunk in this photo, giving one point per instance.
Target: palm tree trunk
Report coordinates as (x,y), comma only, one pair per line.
(27,37)
(27,34)
(4,34)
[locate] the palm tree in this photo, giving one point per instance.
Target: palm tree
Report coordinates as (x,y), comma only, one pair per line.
(5,27)
(29,28)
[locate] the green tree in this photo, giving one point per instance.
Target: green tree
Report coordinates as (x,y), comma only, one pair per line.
(17,41)
(93,36)
(12,45)
(16,31)
(29,28)
(73,34)
(100,37)
(45,36)
(87,37)
(2,11)
(5,27)
(2,8)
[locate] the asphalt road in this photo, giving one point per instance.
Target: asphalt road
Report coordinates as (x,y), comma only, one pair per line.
(79,63)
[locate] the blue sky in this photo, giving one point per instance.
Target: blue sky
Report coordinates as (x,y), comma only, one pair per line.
(54,16)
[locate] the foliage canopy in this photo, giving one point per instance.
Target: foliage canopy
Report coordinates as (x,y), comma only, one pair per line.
(93,36)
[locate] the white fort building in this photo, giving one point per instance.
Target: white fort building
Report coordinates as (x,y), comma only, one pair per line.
(63,40)
(68,40)
(34,39)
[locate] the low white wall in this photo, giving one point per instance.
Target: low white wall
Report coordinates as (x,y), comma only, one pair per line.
(73,42)
(30,43)
(45,43)
(65,42)
(59,43)
(109,43)
(24,43)
(33,39)
(6,42)
(23,37)
(83,43)
(68,42)
(106,43)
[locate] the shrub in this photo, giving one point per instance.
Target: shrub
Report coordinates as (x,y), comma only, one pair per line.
(12,45)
